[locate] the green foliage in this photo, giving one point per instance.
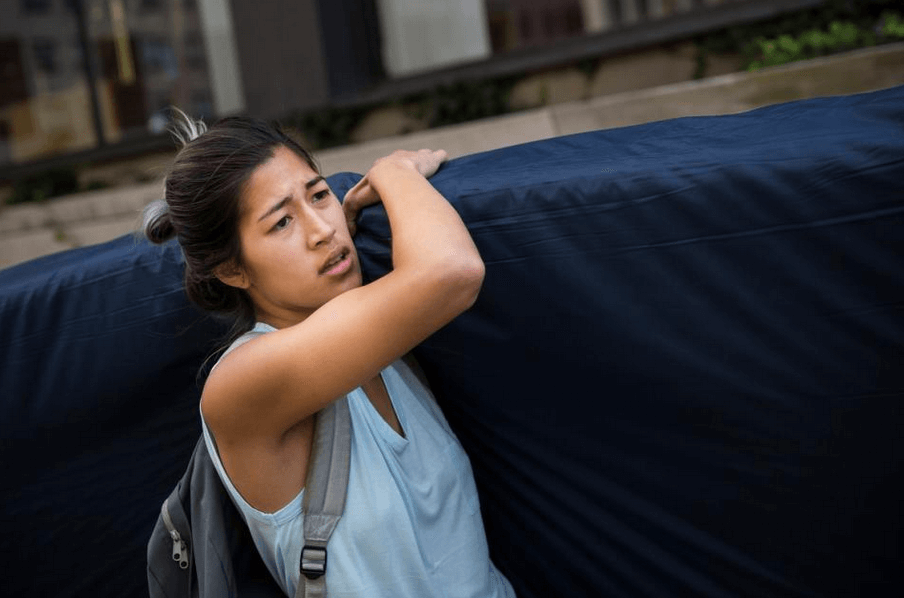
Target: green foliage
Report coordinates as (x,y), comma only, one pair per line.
(836,26)
(50,183)
(892,25)
(840,36)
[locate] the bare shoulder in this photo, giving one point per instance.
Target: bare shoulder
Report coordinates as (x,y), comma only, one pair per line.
(228,393)
(266,463)
(266,387)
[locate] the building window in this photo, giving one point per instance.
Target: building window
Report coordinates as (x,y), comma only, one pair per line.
(518,24)
(424,36)
(419,37)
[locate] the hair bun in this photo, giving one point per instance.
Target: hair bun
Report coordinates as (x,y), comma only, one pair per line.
(156,222)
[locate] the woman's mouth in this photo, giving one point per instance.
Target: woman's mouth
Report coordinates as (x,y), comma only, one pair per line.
(340,263)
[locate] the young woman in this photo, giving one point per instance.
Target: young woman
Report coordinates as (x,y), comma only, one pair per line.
(266,241)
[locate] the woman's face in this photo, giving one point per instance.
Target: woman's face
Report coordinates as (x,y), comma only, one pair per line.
(296,248)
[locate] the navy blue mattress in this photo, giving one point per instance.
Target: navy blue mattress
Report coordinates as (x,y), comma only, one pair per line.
(684,374)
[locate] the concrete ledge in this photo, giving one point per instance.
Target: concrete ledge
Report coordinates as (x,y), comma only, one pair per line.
(83,234)
(868,69)
(82,207)
(20,247)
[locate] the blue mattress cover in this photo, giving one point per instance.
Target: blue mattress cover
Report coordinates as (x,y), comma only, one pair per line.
(684,374)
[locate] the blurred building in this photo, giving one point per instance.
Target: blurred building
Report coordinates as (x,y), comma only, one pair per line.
(87,78)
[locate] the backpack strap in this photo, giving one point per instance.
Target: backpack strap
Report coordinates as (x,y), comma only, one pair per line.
(324,494)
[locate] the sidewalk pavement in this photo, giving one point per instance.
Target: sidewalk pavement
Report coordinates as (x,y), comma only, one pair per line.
(30,231)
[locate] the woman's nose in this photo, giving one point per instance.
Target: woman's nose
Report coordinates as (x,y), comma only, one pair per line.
(319,230)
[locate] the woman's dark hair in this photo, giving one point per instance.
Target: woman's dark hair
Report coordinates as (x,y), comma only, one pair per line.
(202,205)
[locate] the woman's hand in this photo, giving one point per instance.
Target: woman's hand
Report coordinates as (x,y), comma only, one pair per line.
(426,162)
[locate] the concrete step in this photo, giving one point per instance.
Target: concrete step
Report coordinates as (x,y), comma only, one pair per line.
(29,231)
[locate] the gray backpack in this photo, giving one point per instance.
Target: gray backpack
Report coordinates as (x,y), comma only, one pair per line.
(201,547)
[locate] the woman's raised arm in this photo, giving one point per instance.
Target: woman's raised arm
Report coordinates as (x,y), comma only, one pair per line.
(270,384)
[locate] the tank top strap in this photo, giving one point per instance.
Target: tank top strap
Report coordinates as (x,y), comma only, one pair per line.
(259,329)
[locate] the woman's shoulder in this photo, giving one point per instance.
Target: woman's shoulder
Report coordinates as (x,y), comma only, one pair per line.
(220,396)
(259,329)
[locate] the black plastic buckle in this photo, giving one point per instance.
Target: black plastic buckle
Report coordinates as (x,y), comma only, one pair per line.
(313,561)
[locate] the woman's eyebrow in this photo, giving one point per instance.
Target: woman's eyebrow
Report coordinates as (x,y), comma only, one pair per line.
(276,207)
(281,203)
(313,181)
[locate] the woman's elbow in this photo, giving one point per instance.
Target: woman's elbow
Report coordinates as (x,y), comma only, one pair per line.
(465,278)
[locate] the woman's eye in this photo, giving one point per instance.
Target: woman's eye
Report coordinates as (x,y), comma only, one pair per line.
(321,195)
(281,223)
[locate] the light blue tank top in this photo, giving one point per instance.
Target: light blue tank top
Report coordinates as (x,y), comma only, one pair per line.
(411,526)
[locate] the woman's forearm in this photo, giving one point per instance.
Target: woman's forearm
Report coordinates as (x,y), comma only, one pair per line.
(427,232)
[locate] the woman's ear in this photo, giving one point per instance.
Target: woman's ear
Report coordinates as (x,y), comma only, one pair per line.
(232,275)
